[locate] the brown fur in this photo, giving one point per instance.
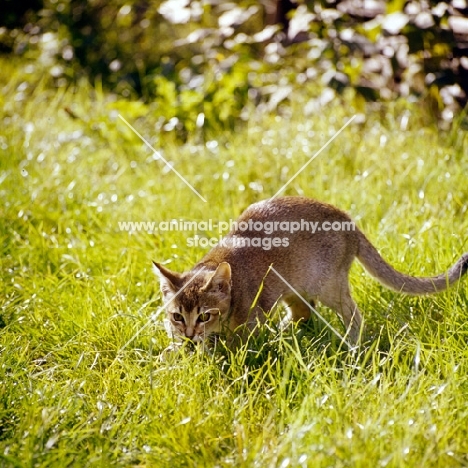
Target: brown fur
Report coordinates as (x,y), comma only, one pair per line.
(224,284)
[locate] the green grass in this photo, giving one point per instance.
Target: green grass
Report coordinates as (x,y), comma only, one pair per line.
(81,381)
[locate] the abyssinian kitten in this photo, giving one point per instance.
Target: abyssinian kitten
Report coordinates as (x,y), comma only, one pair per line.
(220,292)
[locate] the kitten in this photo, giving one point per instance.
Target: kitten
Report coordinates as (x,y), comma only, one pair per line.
(299,268)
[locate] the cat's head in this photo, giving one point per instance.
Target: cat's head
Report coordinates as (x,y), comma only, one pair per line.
(196,303)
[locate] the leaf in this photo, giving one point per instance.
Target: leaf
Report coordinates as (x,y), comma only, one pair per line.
(395,22)
(176,11)
(236,16)
(458,24)
(395,6)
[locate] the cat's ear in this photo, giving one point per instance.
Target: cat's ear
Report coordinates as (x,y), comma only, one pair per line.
(220,280)
(168,280)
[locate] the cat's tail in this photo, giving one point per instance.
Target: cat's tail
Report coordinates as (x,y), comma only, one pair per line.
(387,275)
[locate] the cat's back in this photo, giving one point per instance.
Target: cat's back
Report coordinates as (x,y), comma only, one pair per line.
(291,208)
(296,234)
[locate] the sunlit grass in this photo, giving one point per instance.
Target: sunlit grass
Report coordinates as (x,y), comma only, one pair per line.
(82,383)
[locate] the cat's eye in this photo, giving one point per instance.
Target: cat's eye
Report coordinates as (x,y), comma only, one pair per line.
(204,317)
(178,317)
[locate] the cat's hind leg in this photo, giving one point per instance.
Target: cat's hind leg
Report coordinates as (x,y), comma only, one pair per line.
(336,295)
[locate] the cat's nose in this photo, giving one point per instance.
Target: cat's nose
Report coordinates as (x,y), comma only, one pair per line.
(190,333)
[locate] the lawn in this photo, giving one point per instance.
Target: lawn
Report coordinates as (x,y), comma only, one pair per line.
(82,381)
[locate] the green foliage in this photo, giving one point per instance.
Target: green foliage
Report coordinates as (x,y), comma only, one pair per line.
(205,64)
(81,378)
